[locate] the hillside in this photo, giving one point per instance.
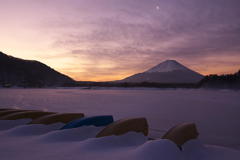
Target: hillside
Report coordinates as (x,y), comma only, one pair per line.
(28,73)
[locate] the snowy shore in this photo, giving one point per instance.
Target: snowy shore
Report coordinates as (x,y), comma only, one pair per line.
(39,142)
(216,113)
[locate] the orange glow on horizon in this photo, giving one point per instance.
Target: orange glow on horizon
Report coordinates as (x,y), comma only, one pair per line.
(113,77)
(76,69)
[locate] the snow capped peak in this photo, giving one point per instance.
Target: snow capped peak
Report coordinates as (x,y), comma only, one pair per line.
(167,66)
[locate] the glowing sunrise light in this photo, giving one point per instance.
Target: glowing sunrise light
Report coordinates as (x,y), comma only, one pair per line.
(108,40)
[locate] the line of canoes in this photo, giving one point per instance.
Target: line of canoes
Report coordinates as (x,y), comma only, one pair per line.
(179,134)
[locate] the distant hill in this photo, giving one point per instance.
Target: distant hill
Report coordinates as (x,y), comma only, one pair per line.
(28,73)
(169,71)
(228,81)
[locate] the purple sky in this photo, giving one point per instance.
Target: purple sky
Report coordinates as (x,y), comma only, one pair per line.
(112,39)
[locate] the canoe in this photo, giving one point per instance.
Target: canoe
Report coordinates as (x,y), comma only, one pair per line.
(7,112)
(181,133)
(88,121)
(58,117)
(26,115)
(5,109)
(125,125)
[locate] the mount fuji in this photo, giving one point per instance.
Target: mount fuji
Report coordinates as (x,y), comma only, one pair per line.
(169,71)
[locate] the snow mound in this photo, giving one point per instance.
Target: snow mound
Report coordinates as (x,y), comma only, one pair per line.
(35,129)
(74,134)
(131,139)
(7,124)
(194,149)
(158,149)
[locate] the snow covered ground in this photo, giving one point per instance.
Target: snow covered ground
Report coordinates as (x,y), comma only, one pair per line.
(38,142)
(216,113)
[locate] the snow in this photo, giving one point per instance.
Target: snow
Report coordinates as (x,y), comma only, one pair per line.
(167,66)
(7,124)
(75,134)
(158,149)
(196,150)
(30,130)
(130,146)
(216,113)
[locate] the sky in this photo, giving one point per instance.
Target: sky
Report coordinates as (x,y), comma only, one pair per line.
(103,40)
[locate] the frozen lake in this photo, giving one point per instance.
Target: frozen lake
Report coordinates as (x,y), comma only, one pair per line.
(216,112)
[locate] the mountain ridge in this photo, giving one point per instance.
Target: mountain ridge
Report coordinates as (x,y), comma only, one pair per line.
(29,73)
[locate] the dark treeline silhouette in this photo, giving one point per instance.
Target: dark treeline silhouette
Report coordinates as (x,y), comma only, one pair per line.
(88,85)
(231,81)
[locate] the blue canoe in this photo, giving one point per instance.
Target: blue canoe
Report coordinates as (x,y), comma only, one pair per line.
(88,121)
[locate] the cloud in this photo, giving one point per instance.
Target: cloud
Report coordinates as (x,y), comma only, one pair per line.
(121,37)
(197,23)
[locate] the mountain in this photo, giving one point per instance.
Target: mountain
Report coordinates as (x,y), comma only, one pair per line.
(28,73)
(169,71)
(167,66)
